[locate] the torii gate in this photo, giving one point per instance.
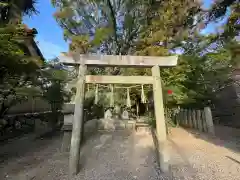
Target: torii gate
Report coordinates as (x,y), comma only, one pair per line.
(121,61)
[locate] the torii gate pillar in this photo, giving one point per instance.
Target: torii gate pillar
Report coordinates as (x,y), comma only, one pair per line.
(77,122)
(160,119)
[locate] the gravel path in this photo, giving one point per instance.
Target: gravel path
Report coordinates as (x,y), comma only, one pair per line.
(124,156)
(196,156)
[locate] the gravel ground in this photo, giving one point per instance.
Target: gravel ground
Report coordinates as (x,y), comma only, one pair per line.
(123,156)
(196,156)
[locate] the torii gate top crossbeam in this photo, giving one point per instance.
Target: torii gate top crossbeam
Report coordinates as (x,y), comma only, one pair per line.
(118,60)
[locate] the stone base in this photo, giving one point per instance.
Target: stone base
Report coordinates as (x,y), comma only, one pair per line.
(91,127)
(161,153)
(115,124)
(66,141)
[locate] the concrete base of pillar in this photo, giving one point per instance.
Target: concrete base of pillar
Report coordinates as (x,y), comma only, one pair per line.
(66,141)
(163,157)
(161,153)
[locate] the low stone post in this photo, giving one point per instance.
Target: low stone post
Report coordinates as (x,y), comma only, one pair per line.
(209,120)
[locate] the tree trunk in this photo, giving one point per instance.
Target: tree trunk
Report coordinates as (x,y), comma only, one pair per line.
(4,109)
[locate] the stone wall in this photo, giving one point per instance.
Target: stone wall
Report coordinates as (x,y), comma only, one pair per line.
(35,105)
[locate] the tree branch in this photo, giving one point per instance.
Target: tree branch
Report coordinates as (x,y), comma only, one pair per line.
(114,23)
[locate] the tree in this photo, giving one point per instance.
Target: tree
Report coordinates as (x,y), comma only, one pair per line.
(127,27)
(18,70)
(201,74)
(158,28)
(100,25)
(173,21)
(11,11)
(117,25)
(52,82)
(231,28)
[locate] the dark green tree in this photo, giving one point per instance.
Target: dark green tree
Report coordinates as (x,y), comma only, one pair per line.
(11,11)
(18,71)
(52,82)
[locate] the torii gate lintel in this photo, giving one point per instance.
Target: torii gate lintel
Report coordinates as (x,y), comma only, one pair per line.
(119,60)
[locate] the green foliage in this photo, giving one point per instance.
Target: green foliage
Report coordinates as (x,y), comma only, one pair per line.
(112,25)
(157,28)
(198,78)
(172,21)
(24,76)
(52,81)
(18,70)
(231,28)
(11,11)
(152,122)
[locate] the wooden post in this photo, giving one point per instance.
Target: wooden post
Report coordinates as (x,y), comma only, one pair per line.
(199,120)
(182,117)
(185,117)
(160,119)
(190,124)
(194,119)
(204,124)
(177,118)
(77,123)
(187,120)
(209,120)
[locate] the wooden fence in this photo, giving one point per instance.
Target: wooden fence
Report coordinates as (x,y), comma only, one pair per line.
(200,119)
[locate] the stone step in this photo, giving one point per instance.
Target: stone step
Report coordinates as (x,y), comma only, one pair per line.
(142,127)
(141,124)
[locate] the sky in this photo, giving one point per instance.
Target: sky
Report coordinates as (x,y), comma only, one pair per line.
(50,35)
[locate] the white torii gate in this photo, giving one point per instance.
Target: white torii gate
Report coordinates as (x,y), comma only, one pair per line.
(121,61)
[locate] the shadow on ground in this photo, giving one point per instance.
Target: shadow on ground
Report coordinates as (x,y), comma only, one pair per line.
(121,155)
(234,160)
(28,144)
(224,137)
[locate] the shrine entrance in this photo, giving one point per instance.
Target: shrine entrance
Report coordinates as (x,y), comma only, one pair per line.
(84,61)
